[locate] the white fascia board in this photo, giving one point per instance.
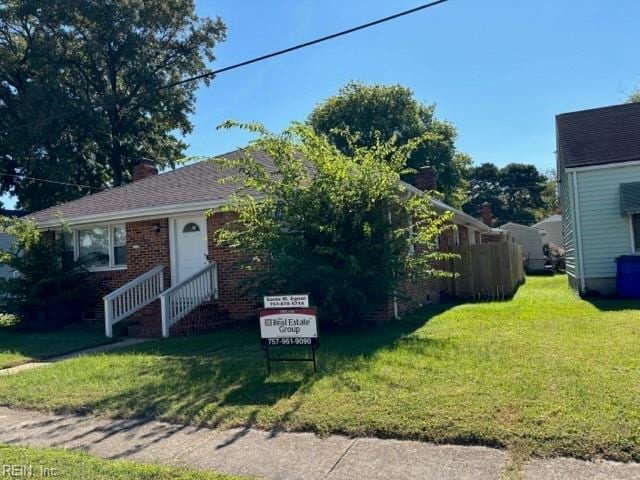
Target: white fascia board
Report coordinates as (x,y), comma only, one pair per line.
(460,217)
(136,214)
(630,163)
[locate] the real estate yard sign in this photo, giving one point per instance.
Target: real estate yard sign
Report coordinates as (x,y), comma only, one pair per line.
(283,327)
(289,326)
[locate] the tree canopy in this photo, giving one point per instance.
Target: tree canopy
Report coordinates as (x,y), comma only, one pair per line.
(84,90)
(361,115)
(517,192)
(341,227)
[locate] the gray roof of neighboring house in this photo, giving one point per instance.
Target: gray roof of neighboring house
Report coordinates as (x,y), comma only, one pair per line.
(598,136)
(552,218)
(196,183)
(518,226)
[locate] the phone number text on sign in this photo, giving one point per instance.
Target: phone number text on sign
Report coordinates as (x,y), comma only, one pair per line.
(286,301)
(288,325)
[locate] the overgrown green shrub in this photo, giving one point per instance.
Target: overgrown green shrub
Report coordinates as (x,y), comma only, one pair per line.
(48,293)
(342,228)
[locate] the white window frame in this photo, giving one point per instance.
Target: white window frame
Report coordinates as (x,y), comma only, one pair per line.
(110,227)
(632,237)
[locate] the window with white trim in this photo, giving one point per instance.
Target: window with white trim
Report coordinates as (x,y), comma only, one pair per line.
(99,246)
(635,225)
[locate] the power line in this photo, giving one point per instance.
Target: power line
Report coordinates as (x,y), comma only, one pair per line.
(303,45)
(50,181)
(261,58)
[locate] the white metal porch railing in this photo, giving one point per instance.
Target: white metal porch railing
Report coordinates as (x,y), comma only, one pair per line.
(132,296)
(181,299)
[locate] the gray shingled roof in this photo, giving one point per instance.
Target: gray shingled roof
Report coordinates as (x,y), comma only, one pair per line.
(630,198)
(599,136)
(194,183)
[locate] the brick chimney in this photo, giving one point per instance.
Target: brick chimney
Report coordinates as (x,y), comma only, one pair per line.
(427,178)
(487,215)
(145,168)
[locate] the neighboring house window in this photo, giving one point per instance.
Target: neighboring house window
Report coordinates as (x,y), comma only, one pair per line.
(102,246)
(635,220)
(456,236)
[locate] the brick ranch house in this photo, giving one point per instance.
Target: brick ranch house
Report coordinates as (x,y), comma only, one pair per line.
(158,266)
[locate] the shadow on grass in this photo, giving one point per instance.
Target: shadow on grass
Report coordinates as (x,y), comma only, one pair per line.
(221,379)
(612,304)
(46,345)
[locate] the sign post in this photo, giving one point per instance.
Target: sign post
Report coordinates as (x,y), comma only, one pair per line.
(288,321)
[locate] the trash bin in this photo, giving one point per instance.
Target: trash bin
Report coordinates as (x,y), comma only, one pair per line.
(628,276)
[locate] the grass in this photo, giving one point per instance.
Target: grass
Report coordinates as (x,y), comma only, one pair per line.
(544,373)
(56,463)
(17,347)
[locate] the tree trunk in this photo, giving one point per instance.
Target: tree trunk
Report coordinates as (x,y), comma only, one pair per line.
(115,161)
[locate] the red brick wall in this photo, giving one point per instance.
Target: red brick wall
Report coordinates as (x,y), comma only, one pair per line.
(447,240)
(147,248)
(231,296)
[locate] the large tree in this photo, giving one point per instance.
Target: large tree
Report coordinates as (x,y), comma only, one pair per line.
(86,90)
(517,193)
(360,115)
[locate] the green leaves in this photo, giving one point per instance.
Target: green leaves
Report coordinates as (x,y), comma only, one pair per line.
(517,192)
(49,291)
(103,71)
(309,218)
(382,116)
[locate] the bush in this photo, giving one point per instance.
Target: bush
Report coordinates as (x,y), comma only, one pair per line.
(342,228)
(48,293)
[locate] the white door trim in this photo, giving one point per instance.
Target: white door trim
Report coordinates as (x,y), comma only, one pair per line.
(173,240)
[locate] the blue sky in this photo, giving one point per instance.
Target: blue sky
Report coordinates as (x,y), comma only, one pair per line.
(498,69)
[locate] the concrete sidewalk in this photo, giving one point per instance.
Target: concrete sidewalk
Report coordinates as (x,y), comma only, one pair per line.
(283,455)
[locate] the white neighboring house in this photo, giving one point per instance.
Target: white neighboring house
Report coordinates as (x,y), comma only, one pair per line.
(532,241)
(553,227)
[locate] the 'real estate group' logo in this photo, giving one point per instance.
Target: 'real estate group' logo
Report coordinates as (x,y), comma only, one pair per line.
(268,322)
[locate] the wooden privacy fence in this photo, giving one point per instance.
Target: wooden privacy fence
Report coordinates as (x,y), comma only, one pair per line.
(486,271)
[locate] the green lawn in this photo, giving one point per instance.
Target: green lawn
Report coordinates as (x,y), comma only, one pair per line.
(544,373)
(17,347)
(32,462)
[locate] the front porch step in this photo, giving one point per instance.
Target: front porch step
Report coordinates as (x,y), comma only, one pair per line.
(204,318)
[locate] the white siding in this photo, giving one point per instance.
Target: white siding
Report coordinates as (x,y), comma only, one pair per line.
(568,231)
(553,228)
(530,238)
(604,230)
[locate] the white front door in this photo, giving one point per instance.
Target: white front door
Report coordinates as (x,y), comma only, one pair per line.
(190,246)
